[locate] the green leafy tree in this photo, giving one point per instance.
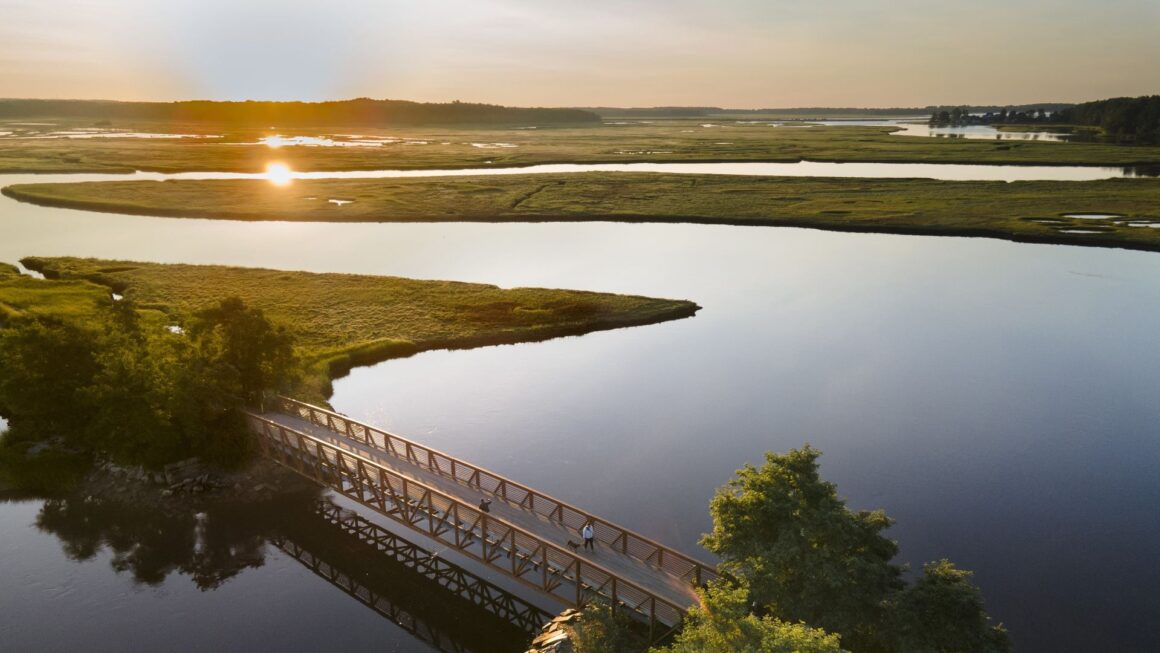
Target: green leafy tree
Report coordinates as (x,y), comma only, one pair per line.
(232,357)
(601,629)
(943,613)
(805,555)
(723,624)
(258,355)
(112,382)
(44,362)
(206,408)
(129,395)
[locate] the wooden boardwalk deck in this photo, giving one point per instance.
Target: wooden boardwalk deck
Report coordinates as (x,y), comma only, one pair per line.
(525,534)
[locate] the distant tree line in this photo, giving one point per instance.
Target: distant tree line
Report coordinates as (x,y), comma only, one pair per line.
(1048,107)
(1120,119)
(961,116)
(703,112)
(1124,119)
(818,112)
(362,111)
(655,112)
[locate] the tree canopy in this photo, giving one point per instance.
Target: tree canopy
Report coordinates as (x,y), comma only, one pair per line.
(805,555)
(784,534)
(943,611)
(137,390)
(1124,118)
(723,624)
(361,111)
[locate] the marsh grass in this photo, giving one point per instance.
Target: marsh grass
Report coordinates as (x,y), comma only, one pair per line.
(659,141)
(25,296)
(912,206)
(341,321)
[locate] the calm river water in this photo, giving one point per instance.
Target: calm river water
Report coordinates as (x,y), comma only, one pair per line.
(999,400)
(942,171)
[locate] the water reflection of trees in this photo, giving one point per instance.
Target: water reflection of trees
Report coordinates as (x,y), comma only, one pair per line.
(449,608)
(210,543)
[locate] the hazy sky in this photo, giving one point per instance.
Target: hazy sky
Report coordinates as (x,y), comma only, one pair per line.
(739,53)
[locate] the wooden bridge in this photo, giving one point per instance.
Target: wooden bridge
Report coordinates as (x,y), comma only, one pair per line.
(524,535)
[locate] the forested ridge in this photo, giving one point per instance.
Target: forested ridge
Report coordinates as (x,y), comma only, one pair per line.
(1122,118)
(362,111)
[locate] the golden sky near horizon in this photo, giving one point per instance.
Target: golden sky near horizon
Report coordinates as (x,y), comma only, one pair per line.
(739,53)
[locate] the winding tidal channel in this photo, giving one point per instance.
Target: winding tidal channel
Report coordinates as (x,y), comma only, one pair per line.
(999,400)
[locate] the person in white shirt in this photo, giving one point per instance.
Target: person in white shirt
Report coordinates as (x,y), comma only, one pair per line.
(589,535)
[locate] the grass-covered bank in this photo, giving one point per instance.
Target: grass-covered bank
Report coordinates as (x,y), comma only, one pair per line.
(1029,211)
(620,141)
(340,321)
(165,372)
(25,296)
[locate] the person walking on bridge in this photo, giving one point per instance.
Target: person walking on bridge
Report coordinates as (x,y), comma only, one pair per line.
(589,535)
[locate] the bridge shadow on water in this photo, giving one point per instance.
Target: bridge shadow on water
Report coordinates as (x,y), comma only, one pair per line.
(436,601)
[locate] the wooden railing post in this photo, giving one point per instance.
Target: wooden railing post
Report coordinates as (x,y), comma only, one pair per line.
(652,619)
(579,584)
(430,513)
(512,551)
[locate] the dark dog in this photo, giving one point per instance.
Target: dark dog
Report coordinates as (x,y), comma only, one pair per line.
(574,545)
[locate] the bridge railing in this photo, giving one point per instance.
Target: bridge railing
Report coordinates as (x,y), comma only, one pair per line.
(438,629)
(397,614)
(615,536)
(451,577)
(500,545)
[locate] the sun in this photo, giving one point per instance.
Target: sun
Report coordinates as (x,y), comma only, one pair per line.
(279,174)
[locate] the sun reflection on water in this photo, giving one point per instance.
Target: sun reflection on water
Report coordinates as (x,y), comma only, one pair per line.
(278,174)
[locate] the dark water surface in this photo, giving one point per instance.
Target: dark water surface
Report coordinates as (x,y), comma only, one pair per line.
(1000,400)
(93,575)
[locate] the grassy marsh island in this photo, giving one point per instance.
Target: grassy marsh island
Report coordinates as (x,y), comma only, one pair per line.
(242,149)
(1031,211)
(338,320)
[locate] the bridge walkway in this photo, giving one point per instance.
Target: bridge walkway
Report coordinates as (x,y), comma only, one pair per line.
(665,585)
